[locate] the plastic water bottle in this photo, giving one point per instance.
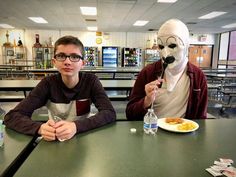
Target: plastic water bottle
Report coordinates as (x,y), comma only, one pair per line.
(150,125)
(146,123)
(1,133)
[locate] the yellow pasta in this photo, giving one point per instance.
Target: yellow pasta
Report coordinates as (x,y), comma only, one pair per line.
(186,126)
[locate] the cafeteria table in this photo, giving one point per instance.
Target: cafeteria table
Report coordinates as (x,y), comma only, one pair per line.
(222,89)
(219,71)
(28,85)
(122,73)
(14,70)
(5,71)
(226,76)
(113,151)
(14,145)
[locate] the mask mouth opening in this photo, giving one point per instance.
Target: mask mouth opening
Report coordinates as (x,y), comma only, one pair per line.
(168,60)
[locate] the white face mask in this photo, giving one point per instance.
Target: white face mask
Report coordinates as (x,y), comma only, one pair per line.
(173,42)
(172,46)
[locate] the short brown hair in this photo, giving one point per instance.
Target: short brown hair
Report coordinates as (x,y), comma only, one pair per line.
(66,40)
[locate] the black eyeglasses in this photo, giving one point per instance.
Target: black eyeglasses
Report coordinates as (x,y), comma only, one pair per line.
(72,57)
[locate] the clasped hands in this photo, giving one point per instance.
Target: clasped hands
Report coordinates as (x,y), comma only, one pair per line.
(61,130)
(151,90)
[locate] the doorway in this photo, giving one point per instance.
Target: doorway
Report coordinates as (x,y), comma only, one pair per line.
(201,55)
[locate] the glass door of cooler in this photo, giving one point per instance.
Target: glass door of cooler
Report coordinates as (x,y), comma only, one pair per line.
(131,57)
(110,56)
(91,56)
(139,57)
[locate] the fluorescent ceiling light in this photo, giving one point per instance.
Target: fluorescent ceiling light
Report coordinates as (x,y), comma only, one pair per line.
(92,28)
(212,15)
(167,1)
(6,26)
(88,10)
(38,19)
(140,23)
(232,25)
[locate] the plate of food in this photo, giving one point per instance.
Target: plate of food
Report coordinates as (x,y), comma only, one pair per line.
(179,125)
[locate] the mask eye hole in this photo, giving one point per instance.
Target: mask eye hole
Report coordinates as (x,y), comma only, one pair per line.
(172,46)
(161,46)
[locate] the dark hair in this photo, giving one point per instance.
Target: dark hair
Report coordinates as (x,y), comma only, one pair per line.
(66,40)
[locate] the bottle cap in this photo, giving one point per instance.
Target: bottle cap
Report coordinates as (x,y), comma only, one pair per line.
(151,110)
(133,130)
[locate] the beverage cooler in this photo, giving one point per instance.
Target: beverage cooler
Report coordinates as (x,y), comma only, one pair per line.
(111,57)
(151,56)
(91,56)
(131,57)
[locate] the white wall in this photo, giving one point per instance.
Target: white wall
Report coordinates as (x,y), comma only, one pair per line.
(122,39)
(195,39)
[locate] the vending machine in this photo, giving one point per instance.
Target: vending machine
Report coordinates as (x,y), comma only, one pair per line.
(150,56)
(111,56)
(91,56)
(131,57)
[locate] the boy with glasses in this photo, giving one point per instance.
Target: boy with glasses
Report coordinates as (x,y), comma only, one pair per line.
(67,95)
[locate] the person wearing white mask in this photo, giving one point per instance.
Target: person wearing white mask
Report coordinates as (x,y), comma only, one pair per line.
(176,87)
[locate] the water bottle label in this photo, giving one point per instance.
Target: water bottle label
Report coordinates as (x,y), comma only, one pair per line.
(154,125)
(1,133)
(1,139)
(146,125)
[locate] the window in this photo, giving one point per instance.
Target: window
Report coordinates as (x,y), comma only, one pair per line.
(224,42)
(232,46)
